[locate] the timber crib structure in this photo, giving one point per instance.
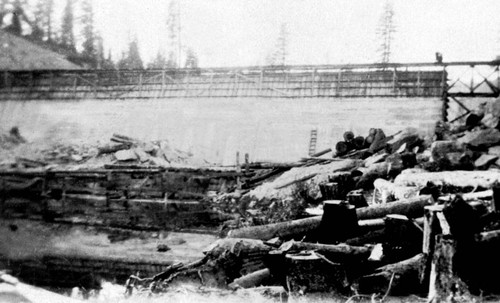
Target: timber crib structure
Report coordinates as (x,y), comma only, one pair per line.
(447,80)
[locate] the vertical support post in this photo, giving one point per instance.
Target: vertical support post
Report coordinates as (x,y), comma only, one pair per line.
(96,83)
(339,81)
(210,85)
(140,84)
(444,95)
(186,86)
(247,163)
(471,88)
(238,170)
(313,76)
(162,92)
(261,79)
(75,83)
(418,89)
(394,81)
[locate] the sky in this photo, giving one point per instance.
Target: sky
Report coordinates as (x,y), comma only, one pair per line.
(244,32)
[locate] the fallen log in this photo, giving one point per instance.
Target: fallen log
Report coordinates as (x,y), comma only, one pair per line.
(446,179)
(254,279)
(412,208)
(336,253)
(397,279)
(108,149)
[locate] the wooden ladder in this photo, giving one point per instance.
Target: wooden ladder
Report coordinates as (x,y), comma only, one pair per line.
(312,141)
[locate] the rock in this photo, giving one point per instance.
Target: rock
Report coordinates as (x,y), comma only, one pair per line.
(141,154)
(481,138)
(484,160)
(494,150)
(149,147)
(441,149)
(125,155)
(76,158)
(162,248)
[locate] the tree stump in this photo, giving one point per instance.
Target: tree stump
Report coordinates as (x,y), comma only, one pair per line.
(329,191)
(338,223)
(357,199)
(403,238)
(445,285)
(309,272)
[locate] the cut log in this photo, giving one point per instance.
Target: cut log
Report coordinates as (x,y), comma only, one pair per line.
(398,279)
(125,155)
(376,158)
(336,253)
(108,149)
(412,208)
(339,222)
(456,179)
(310,272)
(257,278)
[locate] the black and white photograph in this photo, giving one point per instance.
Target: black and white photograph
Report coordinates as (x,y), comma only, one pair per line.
(284,151)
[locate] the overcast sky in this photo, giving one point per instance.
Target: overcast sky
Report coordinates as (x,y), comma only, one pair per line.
(243,32)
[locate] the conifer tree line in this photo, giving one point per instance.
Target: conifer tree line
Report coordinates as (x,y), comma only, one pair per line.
(77,38)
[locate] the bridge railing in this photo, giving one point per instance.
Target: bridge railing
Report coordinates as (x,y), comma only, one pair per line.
(330,81)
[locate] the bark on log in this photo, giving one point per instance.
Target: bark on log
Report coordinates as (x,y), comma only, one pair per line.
(445,285)
(337,253)
(454,179)
(310,272)
(398,279)
(254,279)
(412,208)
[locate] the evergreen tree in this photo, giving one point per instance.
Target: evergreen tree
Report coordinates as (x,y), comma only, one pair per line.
(108,62)
(132,58)
(89,52)
(191,59)
(173,29)
(67,38)
(385,32)
(15,26)
(280,54)
(159,62)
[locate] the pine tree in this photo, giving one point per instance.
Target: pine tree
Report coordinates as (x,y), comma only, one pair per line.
(108,62)
(132,58)
(280,54)
(15,26)
(191,59)
(173,29)
(159,62)
(67,39)
(89,52)
(385,32)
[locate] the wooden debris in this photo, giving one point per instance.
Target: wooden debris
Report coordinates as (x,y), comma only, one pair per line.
(412,208)
(311,272)
(397,279)
(254,279)
(456,179)
(337,253)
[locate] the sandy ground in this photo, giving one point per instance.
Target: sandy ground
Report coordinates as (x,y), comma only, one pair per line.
(21,239)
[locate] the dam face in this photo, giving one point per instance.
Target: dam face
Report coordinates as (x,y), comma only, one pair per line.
(214,114)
